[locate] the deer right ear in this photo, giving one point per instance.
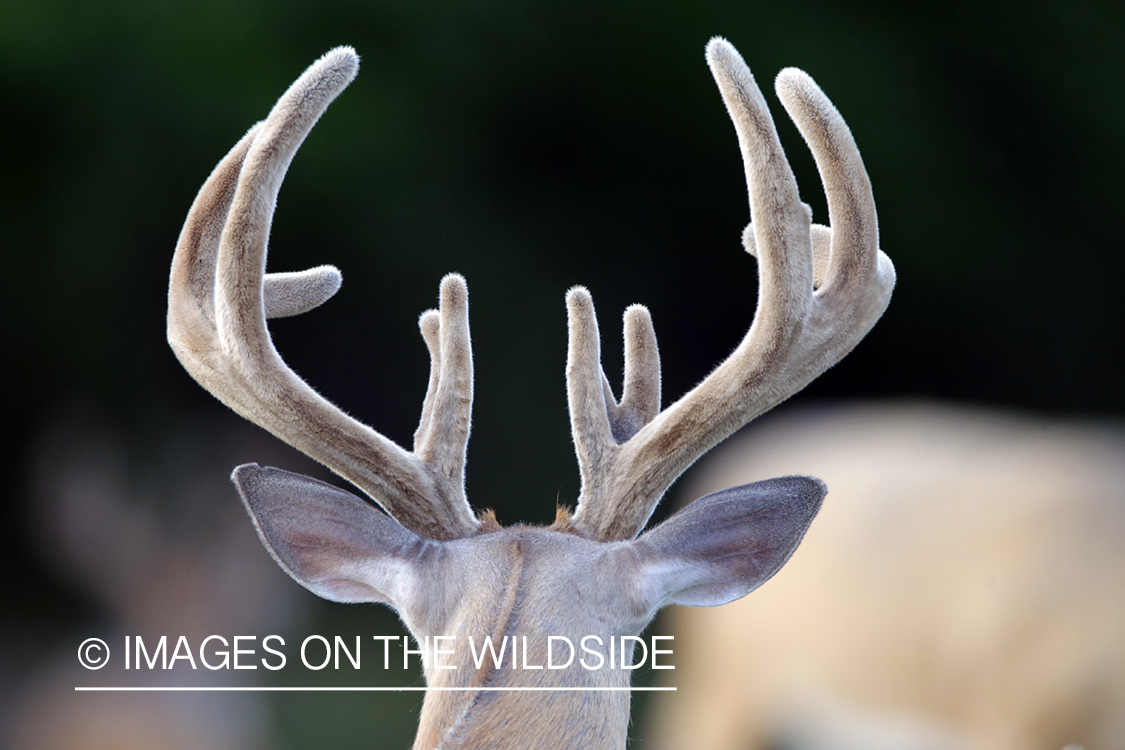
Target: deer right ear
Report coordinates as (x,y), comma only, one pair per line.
(726,544)
(330,541)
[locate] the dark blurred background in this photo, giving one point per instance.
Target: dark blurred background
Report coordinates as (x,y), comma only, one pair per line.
(531,147)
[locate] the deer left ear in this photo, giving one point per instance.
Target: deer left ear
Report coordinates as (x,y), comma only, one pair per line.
(726,544)
(330,541)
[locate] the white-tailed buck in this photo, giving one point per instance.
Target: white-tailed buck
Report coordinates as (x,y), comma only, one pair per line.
(591,577)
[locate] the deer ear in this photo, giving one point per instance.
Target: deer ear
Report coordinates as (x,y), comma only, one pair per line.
(332,542)
(726,544)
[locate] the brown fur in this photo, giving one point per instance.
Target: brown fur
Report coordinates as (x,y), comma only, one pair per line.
(488,522)
(562,522)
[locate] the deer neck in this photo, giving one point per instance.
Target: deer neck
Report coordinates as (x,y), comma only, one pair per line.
(526,632)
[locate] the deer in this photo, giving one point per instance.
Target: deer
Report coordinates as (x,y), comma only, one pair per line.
(970,568)
(417,545)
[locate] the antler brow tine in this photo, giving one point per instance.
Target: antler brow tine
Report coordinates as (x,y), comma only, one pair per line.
(811,310)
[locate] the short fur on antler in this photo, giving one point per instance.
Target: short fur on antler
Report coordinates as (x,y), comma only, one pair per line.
(589,576)
(220,297)
(820,291)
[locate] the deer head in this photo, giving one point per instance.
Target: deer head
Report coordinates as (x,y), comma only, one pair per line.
(449,572)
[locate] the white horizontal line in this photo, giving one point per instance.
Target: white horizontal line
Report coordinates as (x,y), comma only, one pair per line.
(354,689)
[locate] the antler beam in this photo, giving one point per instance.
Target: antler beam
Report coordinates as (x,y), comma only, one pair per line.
(821,289)
(220,297)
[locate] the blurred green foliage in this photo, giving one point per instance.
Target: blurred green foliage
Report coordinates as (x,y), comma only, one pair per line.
(534,146)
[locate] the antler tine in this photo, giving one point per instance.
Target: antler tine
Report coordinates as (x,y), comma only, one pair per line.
(854,261)
(220,296)
(443,431)
(598,421)
(820,291)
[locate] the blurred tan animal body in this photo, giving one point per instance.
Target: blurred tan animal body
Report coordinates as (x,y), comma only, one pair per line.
(962,587)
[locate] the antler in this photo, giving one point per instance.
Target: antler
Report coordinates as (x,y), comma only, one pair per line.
(820,291)
(220,297)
